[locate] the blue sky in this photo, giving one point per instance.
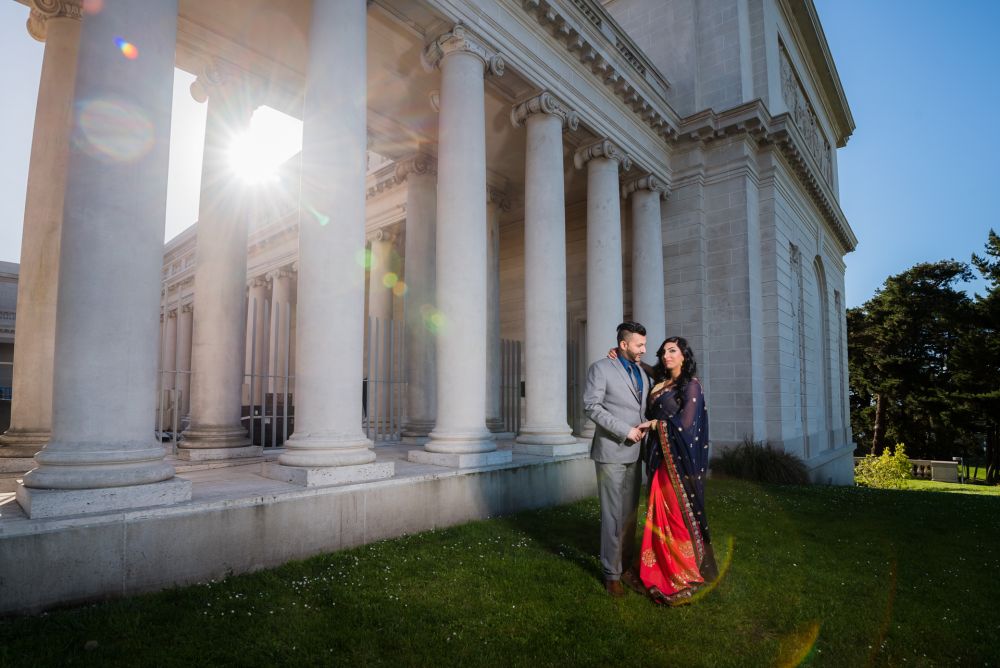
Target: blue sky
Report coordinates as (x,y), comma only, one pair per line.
(916,179)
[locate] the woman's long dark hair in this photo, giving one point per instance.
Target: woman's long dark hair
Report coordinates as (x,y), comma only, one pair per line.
(688,368)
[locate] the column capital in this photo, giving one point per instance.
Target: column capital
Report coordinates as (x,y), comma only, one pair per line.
(220,77)
(604,148)
(386,234)
(461,39)
(544,103)
(43,10)
(171,313)
(258,282)
(644,182)
(187,308)
(420,163)
(498,197)
(283,272)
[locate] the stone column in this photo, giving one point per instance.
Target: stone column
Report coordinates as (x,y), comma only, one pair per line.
(58,24)
(545,430)
(496,203)
(460,437)
(379,294)
(420,175)
(645,193)
(217,350)
(257,318)
(604,244)
(282,316)
(184,327)
(328,446)
(109,273)
(168,369)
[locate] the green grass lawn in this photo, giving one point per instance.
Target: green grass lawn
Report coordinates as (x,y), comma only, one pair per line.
(815,575)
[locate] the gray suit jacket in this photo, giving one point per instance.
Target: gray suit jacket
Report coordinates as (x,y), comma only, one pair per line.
(611,402)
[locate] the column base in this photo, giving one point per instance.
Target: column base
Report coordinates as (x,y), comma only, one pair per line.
(538,435)
(460,460)
(212,437)
(414,440)
(215,454)
(577,447)
(23,443)
(587,432)
(495,425)
(62,502)
(16,464)
(328,476)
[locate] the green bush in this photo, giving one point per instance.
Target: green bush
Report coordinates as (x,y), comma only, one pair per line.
(761,462)
(887,471)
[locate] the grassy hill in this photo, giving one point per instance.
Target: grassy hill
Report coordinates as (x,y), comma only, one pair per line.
(816,576)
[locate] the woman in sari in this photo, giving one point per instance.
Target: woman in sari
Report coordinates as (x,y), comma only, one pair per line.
(676,556)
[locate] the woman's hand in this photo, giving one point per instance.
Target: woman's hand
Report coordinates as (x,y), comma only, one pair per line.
(613,354)
(649,424)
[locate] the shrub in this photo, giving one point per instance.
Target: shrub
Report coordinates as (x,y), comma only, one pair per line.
(887,471)
(761,462)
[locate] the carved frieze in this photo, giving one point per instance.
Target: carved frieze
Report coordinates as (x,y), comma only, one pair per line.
(804,117)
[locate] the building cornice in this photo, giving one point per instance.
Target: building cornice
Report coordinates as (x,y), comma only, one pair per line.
(779,133)
(589,34)
(803,14)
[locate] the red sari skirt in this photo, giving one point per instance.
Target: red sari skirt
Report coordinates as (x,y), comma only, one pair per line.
(671,540)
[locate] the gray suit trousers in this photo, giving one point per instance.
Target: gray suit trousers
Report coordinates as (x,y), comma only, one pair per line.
(618,488)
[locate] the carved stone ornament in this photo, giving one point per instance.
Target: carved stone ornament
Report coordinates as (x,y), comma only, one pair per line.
(421,163)
(222,77)
(604,148)
(43,10)
(544,103)
(187,308)
(461,39)
(804,117)
(647,182)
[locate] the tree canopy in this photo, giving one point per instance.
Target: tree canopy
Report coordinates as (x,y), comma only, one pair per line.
(924,361)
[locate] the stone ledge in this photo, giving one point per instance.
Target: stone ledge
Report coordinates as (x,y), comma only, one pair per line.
(461,461)
(327,476)
(554,450)
(38,503)
(217,454)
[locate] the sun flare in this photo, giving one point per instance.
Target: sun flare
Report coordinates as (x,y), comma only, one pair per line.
(272,138)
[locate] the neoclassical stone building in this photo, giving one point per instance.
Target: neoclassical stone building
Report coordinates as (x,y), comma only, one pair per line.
(535,170)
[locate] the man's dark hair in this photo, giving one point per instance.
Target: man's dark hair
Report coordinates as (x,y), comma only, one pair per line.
(630,327)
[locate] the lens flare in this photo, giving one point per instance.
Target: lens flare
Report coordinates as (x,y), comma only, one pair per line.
(321,218)
(113,130)
(364,258)
(798,646)
(390,280)
(92,6)
(128,49)
(399,289)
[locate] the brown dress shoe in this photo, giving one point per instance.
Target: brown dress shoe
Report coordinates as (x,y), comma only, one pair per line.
(633,582)
(614,588)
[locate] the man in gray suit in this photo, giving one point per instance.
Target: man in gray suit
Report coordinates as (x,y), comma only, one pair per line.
(615,400)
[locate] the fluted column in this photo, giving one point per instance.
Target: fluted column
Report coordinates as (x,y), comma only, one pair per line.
(645,193)
(282,316)
(545,430)
(382,263)
(109,273)
(460,437)
(496,203)
(328,446)
(183,383)
(217,349)
(257,336)
(168,368)
(420,175)
(58,24)
(604,244)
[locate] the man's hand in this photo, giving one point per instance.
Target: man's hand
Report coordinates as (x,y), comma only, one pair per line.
(635,434)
